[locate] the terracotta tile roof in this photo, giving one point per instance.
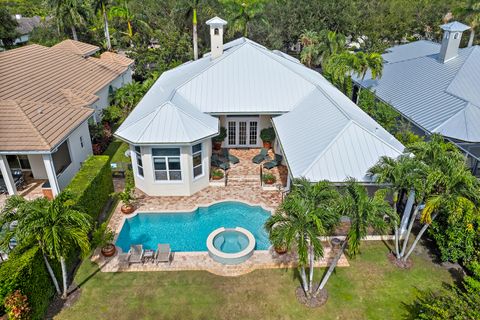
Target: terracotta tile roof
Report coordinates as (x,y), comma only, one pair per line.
(41,74)
(33,126)
(44,92)
(116,58)
(77,47)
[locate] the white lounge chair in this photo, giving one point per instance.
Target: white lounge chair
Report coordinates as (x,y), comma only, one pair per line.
(135,254)
(163,254)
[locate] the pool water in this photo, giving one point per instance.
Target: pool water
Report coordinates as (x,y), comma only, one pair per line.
(188,231)
(230,241)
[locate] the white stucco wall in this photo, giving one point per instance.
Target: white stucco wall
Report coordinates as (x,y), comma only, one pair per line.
(103,94)
(187,186)
(37,166)
(78,154)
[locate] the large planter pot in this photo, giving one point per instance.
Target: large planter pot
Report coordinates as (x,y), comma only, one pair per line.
(109,250)
(217,145)
(127,208)
(269,181)
(280,249)
(267,144)
(216,178)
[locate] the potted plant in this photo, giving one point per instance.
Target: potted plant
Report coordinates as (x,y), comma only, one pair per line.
(269,178)
(126,196)
(217,174)
(280,248)
(103,237)
(217,140)
(267,135)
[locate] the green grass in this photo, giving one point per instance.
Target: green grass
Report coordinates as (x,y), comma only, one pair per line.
(370,289)
(116,151)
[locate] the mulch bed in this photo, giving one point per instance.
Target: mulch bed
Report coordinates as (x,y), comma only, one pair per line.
(399,263)
(318,301)
(58,303)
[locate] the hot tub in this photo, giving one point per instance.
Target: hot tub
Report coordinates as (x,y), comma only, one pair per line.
(230,246)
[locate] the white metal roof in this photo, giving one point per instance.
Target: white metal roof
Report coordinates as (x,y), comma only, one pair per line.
(319,127)
(454,26)
(439,97)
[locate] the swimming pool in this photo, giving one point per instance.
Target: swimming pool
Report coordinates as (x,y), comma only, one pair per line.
(188,231)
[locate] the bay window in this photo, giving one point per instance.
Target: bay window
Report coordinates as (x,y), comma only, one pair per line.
(166,164)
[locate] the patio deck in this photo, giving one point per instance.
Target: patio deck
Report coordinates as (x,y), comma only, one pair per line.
(32,190)
(243,185)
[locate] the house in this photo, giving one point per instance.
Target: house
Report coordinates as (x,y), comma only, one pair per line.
(245,88)
(436,87)
(25,27)
(48,96)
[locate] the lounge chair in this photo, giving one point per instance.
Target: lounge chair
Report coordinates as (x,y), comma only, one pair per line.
(217,162)
(263,155)
(135,254)
(273,163)
(230,157)
(163,253)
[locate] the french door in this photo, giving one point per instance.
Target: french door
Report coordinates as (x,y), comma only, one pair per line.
(242,132)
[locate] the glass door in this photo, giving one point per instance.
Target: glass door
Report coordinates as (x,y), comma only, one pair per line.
(242,132)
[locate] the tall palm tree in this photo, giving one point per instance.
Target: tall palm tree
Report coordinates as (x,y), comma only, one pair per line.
(307,213)
(101,6)
(123,12)
(70,13)
(364,212)
(471,13)
(401,175)
(442,184)
(56,226)
(16,209)
(242,13)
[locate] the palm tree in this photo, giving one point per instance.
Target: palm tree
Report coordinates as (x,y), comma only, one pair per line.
(307,213)
(318,47)
(363,62)
(56,227)
(15,209)
(242,13)
(440,180)
(471,13)
(364,212)
(401,175)
(70,13)
(101,6)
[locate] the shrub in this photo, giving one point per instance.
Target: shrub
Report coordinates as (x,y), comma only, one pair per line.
(217,173)
(17,307)
(92,185)
(267,134)
(221,136)
(269,178)
(26,272)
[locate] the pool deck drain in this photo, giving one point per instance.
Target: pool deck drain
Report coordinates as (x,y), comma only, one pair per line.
(189,261)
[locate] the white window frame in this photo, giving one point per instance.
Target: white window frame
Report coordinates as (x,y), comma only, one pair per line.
(138,155)
(167,166)
(200,152)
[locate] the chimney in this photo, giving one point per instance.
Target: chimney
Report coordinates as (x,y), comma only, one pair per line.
(216,36)
(452,36)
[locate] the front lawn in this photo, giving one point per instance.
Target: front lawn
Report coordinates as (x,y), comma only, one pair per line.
(370,289)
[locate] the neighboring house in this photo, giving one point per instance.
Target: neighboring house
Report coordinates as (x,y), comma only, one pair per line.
(47,97)
(243,86)
(436,87)
(25,27)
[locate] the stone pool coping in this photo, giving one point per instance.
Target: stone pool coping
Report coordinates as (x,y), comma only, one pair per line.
(201,261)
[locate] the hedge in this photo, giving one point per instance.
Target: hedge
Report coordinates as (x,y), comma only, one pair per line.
(92,185)
(27,272)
